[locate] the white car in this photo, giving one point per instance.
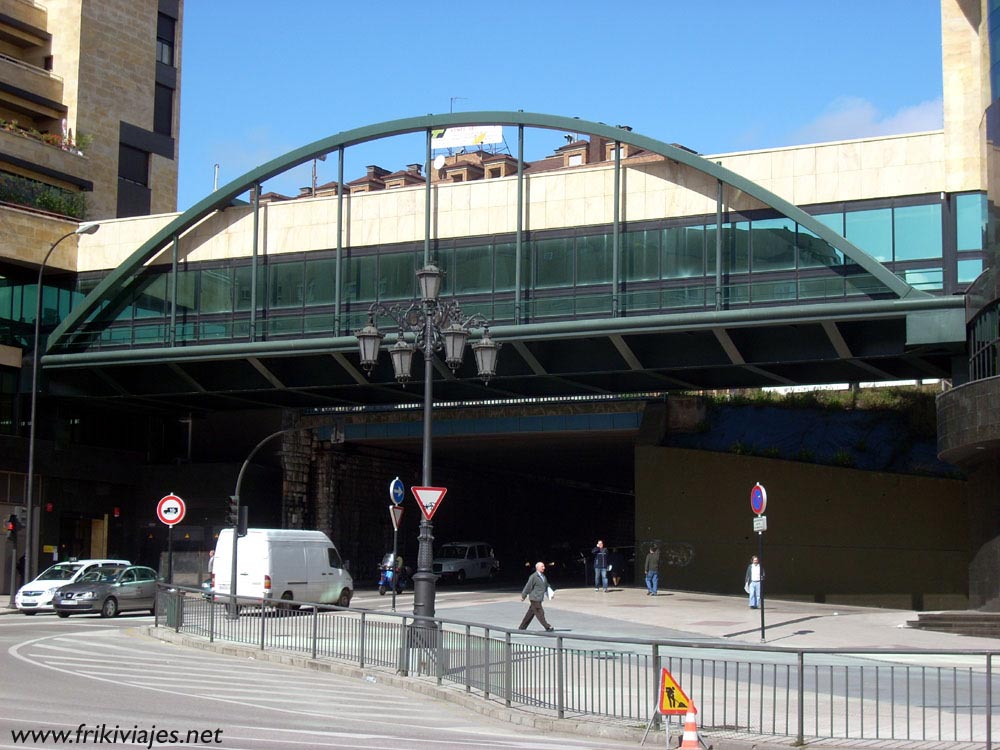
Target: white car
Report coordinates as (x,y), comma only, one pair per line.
(36,595)
(460,561)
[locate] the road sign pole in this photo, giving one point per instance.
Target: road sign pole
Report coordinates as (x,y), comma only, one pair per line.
(395,573)
(170,555)
(758,504)
(760,560)
(13,574)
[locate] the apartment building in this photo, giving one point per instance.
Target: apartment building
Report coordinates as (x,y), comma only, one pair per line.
(89,106)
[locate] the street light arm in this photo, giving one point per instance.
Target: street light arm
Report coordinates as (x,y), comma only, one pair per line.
(233,605)
(29,527)
(249,458)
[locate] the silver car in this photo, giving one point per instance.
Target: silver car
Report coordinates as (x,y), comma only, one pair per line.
(109,590)
(36,596)
(459,561)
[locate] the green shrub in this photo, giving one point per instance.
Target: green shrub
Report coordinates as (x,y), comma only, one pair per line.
(23,191)
(843,458)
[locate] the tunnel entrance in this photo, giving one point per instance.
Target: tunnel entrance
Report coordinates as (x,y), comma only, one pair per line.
(537,496)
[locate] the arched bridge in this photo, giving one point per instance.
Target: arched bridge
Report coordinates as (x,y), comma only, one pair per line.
(640,267)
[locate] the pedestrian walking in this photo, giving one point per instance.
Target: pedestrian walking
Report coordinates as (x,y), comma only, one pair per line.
(652,570)
(616,567)
(601,562)
(535,591)
(751,582)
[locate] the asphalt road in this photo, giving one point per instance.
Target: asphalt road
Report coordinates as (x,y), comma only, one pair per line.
(90,677)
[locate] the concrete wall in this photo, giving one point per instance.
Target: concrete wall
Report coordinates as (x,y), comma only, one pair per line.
(28,236)
(834,534)
(652,188)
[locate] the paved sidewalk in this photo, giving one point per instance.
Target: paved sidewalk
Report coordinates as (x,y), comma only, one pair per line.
(628,612)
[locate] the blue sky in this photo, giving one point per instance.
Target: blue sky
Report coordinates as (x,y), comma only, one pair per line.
(261,78)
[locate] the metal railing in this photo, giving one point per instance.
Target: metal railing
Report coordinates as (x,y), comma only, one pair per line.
(738,689)
(28,67)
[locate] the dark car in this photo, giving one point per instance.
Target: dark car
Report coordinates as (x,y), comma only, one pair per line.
(108,590)
(565,563)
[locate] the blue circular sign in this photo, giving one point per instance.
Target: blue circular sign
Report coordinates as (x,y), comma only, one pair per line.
(396,491)
(758,498)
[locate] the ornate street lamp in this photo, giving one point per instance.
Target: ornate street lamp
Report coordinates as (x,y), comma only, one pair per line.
(434,326)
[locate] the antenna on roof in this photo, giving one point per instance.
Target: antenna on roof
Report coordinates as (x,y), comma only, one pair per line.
(452,100)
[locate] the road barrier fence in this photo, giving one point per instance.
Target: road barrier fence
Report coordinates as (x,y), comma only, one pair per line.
(738,689)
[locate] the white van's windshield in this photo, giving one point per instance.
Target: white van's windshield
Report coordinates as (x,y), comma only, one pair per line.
(60,572)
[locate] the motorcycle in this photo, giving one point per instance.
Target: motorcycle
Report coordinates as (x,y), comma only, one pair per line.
(389,576)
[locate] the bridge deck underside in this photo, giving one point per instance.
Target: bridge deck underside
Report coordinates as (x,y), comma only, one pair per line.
(600,364)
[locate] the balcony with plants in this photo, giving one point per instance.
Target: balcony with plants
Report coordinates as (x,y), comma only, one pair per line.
(53,154)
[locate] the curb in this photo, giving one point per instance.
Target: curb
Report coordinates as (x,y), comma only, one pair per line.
(472,702)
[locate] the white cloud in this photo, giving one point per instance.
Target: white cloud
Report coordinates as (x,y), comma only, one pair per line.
(854,117)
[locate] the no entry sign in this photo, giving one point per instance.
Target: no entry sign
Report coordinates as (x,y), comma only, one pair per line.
(170,510)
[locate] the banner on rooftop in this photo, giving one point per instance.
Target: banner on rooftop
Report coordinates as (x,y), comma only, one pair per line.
(467,135)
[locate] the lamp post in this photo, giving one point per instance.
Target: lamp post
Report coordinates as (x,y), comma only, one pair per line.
(435,326)
(88,227)
(238,517)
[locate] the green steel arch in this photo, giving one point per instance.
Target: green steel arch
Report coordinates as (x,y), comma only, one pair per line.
(120,279)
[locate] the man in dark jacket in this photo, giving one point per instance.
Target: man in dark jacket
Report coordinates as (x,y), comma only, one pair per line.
(600,566)
(534,591)
(652,571)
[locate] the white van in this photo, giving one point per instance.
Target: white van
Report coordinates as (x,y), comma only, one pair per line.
(282,564)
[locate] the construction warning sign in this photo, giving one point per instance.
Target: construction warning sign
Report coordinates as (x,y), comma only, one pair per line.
(673,700)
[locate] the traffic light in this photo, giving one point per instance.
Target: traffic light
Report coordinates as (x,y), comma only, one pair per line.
(232,510)
(241,524)
(13,525)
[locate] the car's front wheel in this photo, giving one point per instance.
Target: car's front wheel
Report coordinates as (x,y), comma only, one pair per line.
(460,577)
(28,612)
(345,598)
(63,614)
(110,607)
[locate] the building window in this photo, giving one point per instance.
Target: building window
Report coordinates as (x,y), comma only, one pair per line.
(165,30)
(917,232)
(163,110)
(133,181)
(970,218)
(574,160)
(133,164)
(871,231)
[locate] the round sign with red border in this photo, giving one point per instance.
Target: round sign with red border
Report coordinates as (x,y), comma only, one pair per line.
(758,498)
(170,510)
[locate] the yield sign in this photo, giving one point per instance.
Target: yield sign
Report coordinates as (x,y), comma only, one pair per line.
(395,513)
(428,498)
(673,700)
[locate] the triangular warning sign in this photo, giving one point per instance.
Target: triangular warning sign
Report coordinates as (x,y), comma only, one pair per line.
(396,514)
(428,498)
(673,700)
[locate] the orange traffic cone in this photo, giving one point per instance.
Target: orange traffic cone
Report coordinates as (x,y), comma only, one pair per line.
(690,739)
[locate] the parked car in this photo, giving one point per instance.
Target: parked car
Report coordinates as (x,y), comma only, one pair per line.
(108,589)
(566,563)
(36,596)
(460,561)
